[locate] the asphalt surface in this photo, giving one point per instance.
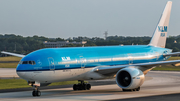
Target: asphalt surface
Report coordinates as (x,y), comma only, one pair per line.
(166,97)
(158,86)
(8,73)
(93,83)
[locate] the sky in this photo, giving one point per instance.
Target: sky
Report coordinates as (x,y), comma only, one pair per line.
(90,18)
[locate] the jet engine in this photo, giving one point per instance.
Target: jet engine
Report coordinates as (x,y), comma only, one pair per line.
(130,78)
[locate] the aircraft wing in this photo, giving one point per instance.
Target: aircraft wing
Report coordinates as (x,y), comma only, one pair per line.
(13,54)
(172,54)
(144,67)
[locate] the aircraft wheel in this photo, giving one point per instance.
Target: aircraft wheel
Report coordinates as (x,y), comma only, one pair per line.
(38,93)
(75,87)
(81,86)
(84,86)
(33,93)
(138,89)
(88,86)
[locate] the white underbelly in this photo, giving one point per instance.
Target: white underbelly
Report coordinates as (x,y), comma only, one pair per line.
(60,75)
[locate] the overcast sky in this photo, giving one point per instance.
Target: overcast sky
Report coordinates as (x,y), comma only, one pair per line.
(91,18)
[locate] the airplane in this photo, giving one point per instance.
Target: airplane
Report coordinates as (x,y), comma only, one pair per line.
(128,64)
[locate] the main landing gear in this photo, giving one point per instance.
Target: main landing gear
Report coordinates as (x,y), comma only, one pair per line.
(81,86)
(36,92)
(136,89)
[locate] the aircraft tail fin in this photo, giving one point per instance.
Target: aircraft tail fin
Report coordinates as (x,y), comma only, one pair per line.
(159,37)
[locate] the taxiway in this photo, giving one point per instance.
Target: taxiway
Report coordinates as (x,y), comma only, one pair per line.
(8,73)
(157,83)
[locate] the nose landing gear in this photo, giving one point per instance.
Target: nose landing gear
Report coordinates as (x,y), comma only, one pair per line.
(81,86)
(36,92)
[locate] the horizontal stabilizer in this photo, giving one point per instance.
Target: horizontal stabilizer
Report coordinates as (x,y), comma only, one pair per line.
(172,54)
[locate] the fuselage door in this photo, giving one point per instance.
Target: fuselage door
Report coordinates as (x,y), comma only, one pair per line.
(51,63)
(82,60)
(130,58)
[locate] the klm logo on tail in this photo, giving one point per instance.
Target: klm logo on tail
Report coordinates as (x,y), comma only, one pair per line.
(162,34)
(162,28)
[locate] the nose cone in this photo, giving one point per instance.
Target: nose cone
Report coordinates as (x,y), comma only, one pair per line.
(23,72)
(20,67)
(19,72)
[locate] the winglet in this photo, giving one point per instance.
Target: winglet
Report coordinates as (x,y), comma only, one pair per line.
(160,33)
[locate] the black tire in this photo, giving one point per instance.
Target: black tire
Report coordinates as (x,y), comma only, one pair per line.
(84,86)
(88,86)
(138,89)
(80,87)
(33,93)
(75,87)
(38,93)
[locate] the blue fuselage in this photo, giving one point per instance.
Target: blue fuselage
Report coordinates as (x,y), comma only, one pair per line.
(89,57)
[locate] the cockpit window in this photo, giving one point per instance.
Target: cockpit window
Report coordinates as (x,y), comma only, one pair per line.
(20,62)
(27,62)
(33,62)
(30,62)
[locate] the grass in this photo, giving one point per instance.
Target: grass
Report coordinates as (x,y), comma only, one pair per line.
(13,83)
(10,58)
(20,83)
(174,58)
(8,65)
(63,83)
(169,67)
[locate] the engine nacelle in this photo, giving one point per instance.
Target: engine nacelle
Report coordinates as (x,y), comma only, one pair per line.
(130,78)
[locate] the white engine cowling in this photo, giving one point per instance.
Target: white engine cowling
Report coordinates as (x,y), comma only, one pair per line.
(130,78)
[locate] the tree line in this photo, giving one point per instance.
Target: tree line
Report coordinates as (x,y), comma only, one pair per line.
(25,45)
